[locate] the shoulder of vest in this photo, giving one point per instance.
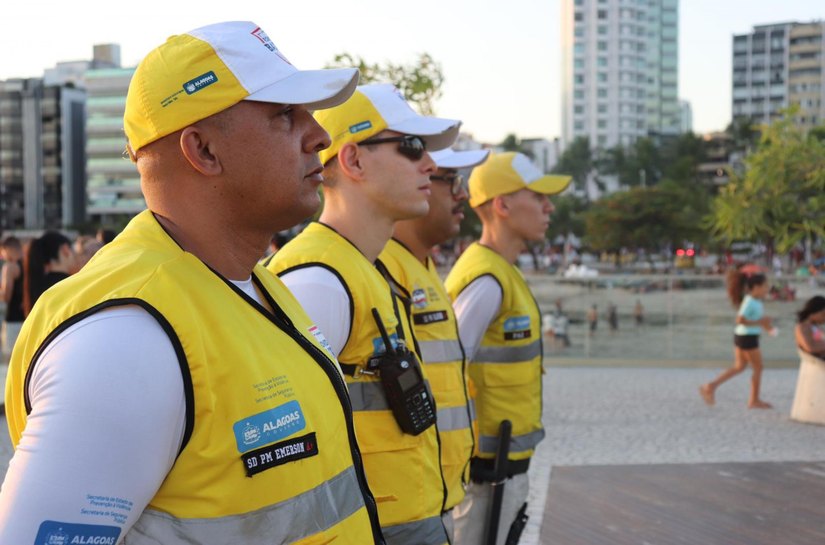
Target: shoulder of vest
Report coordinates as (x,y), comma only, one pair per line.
(186,377)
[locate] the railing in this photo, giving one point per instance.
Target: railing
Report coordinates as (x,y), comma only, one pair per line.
(683,318)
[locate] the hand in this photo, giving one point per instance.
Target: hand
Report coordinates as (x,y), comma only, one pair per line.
(766,323)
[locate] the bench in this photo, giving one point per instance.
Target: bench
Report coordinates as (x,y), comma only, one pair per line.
(809,400)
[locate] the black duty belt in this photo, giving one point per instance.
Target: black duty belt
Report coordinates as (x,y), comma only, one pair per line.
(482,469)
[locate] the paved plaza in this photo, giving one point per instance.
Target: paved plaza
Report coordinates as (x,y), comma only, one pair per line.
(601,416)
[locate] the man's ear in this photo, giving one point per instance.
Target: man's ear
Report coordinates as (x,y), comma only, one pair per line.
(198,149)
(501,206)
(351,161)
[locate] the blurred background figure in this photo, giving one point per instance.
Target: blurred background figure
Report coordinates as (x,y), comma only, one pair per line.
(612,317)
(47,260)
(639,313)
(809,336)
(593,319)
(105,236)
(85,247)
(11,291)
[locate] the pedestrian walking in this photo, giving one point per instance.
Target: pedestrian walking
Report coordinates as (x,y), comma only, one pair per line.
(746,289)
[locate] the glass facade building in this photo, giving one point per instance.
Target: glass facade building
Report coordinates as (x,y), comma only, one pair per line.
(620,70)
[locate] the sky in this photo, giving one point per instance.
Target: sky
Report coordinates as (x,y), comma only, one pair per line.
(501,59)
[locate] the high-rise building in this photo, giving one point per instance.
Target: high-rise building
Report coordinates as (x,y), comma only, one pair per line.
(760,72)
(806,73)
(620,70)
(41,155)
(685,116)
(113,185)
(776,66)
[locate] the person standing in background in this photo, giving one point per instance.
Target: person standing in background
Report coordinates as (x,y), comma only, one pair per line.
(47,260)
(409,261)
(500,326)
(11,290)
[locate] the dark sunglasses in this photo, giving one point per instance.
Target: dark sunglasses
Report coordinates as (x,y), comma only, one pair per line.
(456,182)
(410,146)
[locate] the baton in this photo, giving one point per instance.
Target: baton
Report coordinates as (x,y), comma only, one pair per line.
(500,475)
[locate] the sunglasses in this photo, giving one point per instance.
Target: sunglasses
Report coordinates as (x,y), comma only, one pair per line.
(456,182)
(410,146)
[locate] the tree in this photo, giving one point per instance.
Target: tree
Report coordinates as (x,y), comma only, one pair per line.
(780,198)
(576,161)
(568,216)
(420,82)
(680,158)
(641,218)
(511,142)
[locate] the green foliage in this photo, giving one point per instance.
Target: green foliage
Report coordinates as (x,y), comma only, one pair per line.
(780,198)
(568,216)
(420,82)
(643,218)
(511,142)
(576,161)
(646,163)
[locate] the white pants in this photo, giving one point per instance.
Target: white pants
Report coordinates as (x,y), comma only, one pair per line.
(470,516)
(8,335)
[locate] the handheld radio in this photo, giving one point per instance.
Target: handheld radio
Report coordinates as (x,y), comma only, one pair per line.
(408,394)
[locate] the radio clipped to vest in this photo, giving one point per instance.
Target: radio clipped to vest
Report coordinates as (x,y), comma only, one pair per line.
(408,394)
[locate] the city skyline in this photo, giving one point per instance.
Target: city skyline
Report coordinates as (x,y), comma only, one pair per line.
(502,64)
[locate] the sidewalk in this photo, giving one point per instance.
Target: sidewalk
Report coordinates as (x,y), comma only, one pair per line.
(646,417)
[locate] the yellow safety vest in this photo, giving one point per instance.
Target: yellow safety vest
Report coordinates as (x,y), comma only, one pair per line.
(436,331)
(506,369)
(269,452)
(403,470)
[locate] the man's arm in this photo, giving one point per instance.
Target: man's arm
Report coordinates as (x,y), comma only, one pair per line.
(325,300)
(475,309)
(107,420)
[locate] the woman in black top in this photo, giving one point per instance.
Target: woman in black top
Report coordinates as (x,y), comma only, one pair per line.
(48,260)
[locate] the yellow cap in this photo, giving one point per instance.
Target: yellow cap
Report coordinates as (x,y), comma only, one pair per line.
(505,173)
(198,74)
(378,107)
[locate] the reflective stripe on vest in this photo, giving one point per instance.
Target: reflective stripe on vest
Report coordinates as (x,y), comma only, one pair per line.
(287,522)
(452,418)
(518,443)
(367,396)
(441,351)
(429,531)
(507,354)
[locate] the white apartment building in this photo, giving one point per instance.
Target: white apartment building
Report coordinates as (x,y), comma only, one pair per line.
(620,70)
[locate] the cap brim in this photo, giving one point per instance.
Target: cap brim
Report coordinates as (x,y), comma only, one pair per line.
(437,132)
(459,159)
(315,89)
(550,185)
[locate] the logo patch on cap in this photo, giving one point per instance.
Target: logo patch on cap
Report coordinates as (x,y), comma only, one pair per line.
(358,127)
(198,83)
(261,35)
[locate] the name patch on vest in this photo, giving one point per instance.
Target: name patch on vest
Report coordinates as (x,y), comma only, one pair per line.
(66,533)
(517,328)
(268,426)
(279,454)
(316,332)
(424,318)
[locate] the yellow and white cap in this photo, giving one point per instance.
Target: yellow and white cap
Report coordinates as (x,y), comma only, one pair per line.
(450,158)
(509,172)
(379,107)
(198,74)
